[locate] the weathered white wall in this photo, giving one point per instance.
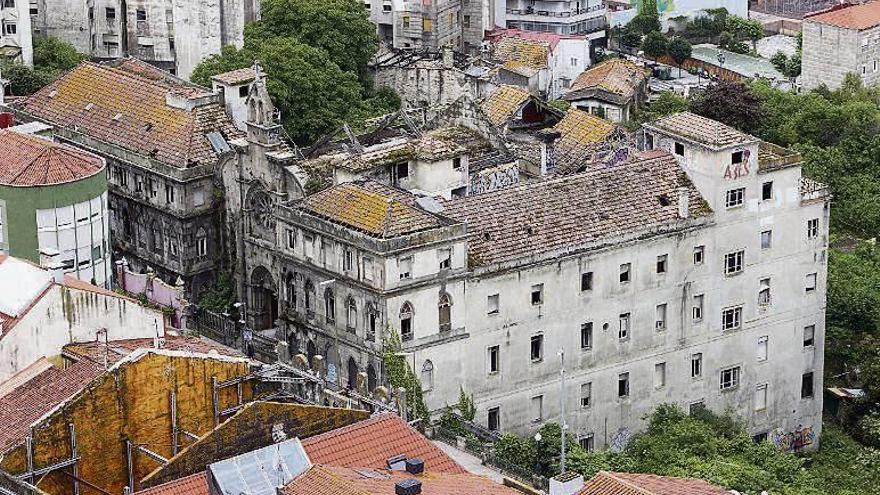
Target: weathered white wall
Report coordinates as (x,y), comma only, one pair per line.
(66,315)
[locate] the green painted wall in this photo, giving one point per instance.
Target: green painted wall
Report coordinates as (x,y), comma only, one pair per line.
(22,204)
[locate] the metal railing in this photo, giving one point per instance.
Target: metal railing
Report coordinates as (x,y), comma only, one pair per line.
(559,14)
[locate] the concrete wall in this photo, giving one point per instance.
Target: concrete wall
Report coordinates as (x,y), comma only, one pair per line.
(65,315)
(830,53)
(132,401)
(257,425)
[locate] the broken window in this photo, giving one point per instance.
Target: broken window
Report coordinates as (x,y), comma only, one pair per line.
(537,294)
(697,309)
(660,320)
(456,163)
(445,313)
(729,378)
(493,419)
(661,263)
(763,345)
(492,303)
(736,157)
(731,318)
(733,262)
(625,273)
(587,335)
(699,251)
(809,335)
(766,239)
(811,282)
(494,359)
(623,385)
(697,365)
(586,395)
(623,329)
(764,292)
(679,149)
(404,267)
(537,408)
(537,348)
(659,375)
(406,315)
(735,197)
(445,257)
(761,397)
(807,385)
(767,191)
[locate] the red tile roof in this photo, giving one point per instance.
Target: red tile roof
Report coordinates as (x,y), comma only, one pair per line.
(21,407)
(370,443)
(237,76)
(194,484)
(605,483)
(848,16)
(332,480)
(127,105)
(30,160)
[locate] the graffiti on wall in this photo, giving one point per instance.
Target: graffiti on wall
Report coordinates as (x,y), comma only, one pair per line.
(739,169)
(495,178)
(795,440)
(621,439)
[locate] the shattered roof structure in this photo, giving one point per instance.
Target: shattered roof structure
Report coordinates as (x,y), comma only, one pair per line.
(577,211)
(527,52)
(579,134)
(616,80)
(334,480)
(700,130)
(30,160)
(375,209)
(504,103)
(606,483)
(137,107)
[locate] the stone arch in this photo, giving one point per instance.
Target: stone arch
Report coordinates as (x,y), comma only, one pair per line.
(264,298)
(406,321)
(427,376)
(444,310)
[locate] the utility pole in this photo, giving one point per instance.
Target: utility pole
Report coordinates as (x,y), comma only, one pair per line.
(563,424)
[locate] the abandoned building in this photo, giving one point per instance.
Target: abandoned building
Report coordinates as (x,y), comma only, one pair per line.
(16,38)
(162,140)
(430,25)
(59,195)
(174,36)
(43,309)
(612,89)
(839,41)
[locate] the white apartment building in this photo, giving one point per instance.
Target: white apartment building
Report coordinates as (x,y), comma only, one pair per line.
(15,32)
(173,35)
(693,273)
(555,16)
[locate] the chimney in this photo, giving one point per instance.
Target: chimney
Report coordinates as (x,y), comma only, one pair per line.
(566,483)
(397,463)
(408,486)
(684,202)
(415,466)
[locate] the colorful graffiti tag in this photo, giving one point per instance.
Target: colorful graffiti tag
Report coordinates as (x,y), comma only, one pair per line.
(793,441)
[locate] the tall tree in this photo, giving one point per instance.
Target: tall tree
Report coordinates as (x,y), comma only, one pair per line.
(731,103)
(654,45)
(54,55)
(680,50)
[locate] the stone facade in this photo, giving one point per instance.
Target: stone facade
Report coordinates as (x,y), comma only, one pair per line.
(831,52)
(417,24)
(172,34)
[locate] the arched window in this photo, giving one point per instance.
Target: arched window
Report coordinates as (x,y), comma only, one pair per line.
(156,237)
(290,289)
(310,296)
(201,243)
(329,305)
(406,315)
(351,307)
(293,344)
(445,311)
(352,373)
(372,321)
(428,376)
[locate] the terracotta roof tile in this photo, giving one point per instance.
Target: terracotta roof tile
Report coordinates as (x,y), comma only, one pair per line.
(237,76)
(616,76)
(30,160)
(860,17)
(529,53)
(28,402)
(122,106)
(370,443)
(333,480)
(194,484)
(503,103)
(605,483)
(118,349)
(701,130)
(575,210)
(372,208)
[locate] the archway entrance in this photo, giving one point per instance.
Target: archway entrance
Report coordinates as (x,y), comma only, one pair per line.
(264,299)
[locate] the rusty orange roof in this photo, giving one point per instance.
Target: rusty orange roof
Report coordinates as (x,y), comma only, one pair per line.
(370,443)
(616,76)
(128,106)
(859,17)
(115,350)
(528,52)
(30,160)
(606,483)
(194,484)
(334,480)
(503,103)
(372,208)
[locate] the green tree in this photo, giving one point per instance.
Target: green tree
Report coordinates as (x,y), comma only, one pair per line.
(219,296)
(779,60)
(654,45)
(24,80)
(229,58)
(401,375)
(466,405)
(55,56)
(339,27)
(731,103)
(680,50)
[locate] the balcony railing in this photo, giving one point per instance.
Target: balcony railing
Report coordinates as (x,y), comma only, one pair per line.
(560,14)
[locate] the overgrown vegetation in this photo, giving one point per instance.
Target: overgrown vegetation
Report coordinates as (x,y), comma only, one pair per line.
(401,375)
(315,54)
(220,296)
(52,57)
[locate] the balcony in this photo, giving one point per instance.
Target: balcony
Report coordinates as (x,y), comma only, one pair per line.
(562,16)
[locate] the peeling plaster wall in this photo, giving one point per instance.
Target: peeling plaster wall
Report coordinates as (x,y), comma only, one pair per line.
(258,425)
(66,315)
(130,402)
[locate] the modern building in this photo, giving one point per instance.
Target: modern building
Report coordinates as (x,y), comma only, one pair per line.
(612,89)
(162,139)
(175,36)
(691,273)
(839,41)
(16,41)
(554,16)
(53,199)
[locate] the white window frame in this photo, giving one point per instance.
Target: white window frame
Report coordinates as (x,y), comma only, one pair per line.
(735,313)
(737,265)
(761,397)
(697,365)
(697,307)
(734,198)
(729,378)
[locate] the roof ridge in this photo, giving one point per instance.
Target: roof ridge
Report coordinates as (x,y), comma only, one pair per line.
(348,428)
(628,483)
